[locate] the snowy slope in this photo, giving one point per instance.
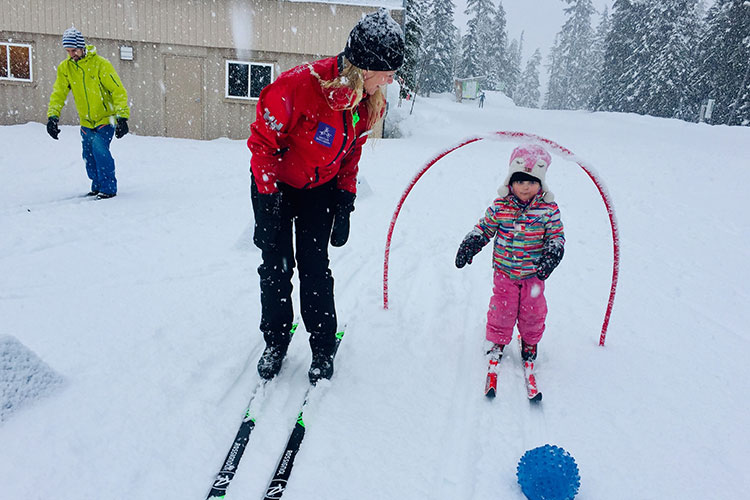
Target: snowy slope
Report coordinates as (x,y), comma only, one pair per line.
(148,306)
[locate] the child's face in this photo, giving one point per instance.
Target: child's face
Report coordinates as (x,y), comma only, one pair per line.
(525,190)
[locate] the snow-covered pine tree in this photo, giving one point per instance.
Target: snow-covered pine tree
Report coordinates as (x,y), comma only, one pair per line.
(662,82)
(477,41)
(571,83)
(512,71)
(458,53)
(527,93)
(621,57)
(597,53)
(498,52)
(723,62)
(413,36)
(439,43)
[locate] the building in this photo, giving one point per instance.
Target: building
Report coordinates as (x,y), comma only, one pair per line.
(468,88)
(192,68)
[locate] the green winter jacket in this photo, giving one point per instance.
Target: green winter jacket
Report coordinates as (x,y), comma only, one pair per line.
(99,94)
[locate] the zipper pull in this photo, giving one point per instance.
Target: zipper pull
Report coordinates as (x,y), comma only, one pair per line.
(355,117)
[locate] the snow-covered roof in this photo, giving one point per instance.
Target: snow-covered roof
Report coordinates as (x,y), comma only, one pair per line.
(388,4)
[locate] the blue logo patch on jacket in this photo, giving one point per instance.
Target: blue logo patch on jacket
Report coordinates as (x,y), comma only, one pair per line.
(325,134)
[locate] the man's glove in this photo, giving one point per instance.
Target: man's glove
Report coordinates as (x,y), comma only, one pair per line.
(344,206)
(122,127)
(52,128)
(470,246)
(550,258)
(267,220)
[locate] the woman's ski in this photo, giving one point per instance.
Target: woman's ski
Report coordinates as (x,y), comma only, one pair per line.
(232,460)
(277,486)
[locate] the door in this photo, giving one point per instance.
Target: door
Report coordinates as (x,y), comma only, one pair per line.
(184,97)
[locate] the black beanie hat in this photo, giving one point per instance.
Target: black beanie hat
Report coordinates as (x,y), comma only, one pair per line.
(376,43)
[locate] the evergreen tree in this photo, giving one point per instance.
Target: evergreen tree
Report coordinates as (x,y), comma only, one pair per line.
(648,60)
(512,70)
(458,53)
(499,57)
(477,41)
(440,47)
(668,55)
(723,62)
(528,94)
(621,57)
(554,85)
(597,54)
(413,35)
(571,82)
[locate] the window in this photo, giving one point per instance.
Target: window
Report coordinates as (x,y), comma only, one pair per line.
(245,80)
(15,61)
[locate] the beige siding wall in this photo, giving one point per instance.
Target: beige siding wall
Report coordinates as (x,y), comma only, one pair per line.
(156,29)
(265,25)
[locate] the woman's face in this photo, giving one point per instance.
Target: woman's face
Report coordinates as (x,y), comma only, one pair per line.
(376,79)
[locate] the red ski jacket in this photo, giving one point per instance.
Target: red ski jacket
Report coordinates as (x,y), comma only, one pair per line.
(302,134)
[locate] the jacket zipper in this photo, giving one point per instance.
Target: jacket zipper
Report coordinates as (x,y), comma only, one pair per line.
(343,146)
(85,93)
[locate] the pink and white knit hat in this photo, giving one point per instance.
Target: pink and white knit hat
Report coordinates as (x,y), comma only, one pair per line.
(532,160)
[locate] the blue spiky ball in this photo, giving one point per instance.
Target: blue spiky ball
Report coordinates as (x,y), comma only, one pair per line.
(548,473)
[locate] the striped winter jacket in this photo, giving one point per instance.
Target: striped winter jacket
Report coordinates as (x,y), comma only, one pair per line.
(521,233)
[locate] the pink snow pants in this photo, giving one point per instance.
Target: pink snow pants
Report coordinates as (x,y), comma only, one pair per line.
(516,300)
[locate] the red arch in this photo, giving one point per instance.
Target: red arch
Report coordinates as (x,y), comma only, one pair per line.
(560,150)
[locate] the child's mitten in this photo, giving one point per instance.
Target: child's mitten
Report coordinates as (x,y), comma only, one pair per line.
(470,246)
(551,257)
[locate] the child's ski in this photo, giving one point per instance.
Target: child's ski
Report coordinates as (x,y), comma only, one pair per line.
(490,385)
(532,391)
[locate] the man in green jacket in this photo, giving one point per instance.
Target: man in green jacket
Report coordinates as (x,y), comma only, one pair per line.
(102,104)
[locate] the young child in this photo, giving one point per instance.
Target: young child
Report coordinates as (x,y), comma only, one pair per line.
(529,243)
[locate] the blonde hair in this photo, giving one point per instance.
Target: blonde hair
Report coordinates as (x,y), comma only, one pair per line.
(353,77)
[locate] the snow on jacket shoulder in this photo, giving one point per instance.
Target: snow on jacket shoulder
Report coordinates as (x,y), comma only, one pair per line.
(302,135)
(99,94)
(520,233)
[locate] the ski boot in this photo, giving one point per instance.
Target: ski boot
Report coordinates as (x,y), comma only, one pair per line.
(528,351)
(270,361)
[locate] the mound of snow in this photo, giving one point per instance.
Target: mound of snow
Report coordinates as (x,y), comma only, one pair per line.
(24,378)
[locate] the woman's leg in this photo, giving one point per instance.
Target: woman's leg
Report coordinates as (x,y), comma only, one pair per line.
(313,231)
(276,270)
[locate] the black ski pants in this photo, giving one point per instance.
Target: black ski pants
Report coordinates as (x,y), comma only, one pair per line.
(306,221)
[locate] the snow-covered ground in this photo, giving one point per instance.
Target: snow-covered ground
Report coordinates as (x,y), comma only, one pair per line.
(147,306)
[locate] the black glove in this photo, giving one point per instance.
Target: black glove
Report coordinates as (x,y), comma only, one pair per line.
(344,207)
(52,128)
(470,246)
(551,257)
(267,209)
(122,127)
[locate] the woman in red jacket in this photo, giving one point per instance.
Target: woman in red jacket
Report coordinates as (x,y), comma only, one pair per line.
(306,142)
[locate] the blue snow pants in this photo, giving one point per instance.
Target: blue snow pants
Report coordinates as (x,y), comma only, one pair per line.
(100,166)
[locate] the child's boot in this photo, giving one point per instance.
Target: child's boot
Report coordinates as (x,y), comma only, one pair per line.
(528,351)
(494,350)
(494,353)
